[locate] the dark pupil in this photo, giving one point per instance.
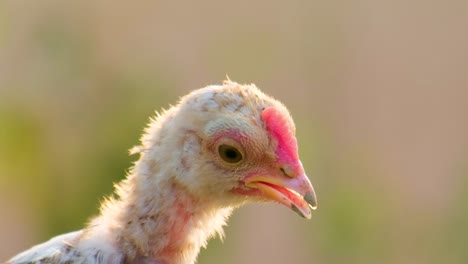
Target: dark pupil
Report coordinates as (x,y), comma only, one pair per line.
(229,154)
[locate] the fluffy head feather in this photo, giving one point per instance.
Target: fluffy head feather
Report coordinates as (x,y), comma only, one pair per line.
(187,136)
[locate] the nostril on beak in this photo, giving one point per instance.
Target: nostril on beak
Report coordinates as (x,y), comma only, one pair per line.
(287,171)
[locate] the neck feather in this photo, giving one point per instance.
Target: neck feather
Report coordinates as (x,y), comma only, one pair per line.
(157,219)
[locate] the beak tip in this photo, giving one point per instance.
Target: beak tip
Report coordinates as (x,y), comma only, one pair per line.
(311,199)
(299,212)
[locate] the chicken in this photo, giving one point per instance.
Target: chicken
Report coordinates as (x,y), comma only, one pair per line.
(220,147)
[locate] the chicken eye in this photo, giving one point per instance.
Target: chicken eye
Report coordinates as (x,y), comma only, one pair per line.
(229,153)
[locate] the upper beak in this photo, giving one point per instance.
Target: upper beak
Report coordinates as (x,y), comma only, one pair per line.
(288,188)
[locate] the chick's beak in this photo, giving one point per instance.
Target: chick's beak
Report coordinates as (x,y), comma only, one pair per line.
(293,189)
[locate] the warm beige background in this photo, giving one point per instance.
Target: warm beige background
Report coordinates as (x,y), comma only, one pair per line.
(378,89)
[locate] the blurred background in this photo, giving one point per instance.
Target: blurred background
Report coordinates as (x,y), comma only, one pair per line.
(378,90)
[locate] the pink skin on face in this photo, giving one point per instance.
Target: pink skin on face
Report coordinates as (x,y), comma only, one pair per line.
(287,182)
(232,133)
(287,151)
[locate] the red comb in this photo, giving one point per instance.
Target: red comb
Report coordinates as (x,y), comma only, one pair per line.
(277,124)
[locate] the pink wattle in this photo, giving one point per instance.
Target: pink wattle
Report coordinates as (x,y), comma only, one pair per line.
(277,124)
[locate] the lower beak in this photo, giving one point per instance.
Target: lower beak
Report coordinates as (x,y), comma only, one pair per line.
(296,192)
